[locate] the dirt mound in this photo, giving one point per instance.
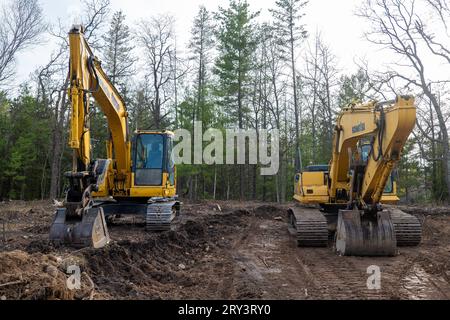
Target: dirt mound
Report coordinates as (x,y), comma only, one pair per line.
(148,266)
(141,268)
(269,211)
(194,228)
(40,246)
(35,276)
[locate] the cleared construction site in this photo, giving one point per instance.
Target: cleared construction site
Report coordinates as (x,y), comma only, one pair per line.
(332,181)
(219,250)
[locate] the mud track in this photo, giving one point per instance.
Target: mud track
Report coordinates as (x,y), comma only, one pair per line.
(220,250)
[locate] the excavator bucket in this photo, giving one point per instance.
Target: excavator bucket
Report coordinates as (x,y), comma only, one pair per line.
(91,231)
(359,234)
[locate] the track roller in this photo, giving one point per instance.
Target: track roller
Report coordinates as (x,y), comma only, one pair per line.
(160,214)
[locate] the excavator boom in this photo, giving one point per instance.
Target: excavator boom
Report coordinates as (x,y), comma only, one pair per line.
(88,78)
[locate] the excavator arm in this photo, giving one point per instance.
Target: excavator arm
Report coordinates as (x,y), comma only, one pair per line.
(88,78)
(387,125)
(364,228)
(396,124)
(111,186)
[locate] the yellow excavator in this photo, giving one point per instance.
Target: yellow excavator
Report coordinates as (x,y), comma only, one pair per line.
(367,144)
(138,177)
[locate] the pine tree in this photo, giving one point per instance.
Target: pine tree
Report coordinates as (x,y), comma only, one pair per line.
(200,45)
(353,88)
(26,151)
(118,59)
(118,63)
(5,132)
(236,45)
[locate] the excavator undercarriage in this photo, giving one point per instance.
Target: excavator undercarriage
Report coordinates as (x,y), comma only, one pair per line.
(90,229)
(353,232)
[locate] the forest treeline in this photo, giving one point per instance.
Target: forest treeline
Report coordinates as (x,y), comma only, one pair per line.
(236,71)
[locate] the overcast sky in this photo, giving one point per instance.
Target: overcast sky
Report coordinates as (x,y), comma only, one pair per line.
(336,21)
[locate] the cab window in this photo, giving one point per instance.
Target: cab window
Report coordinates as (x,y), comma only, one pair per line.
(149,151)
(389,185)
(149,159)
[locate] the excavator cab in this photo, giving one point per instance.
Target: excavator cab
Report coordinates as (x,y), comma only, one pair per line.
(152,194)
(152,159)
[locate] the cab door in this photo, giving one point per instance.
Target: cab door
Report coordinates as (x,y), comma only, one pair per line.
(149,155)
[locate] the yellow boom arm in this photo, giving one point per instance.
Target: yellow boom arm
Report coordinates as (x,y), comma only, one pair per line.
(86,78)
(389,127)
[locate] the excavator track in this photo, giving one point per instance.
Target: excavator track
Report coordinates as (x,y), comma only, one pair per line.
(408,229)
(309,226)
(160,214)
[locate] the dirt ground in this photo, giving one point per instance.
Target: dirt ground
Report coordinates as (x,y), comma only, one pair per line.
(220,250)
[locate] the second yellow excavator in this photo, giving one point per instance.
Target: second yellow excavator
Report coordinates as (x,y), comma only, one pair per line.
(367,144)
(138,176)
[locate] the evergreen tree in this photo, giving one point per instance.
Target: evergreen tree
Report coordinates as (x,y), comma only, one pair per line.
(5,132)
(118,63)
(118,60)
(236,43)
(353,88)
(26,148)
(200,45)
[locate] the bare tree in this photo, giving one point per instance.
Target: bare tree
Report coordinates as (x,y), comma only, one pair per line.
(53,82)
(396,26)
(201,44)
(442,8)
(320,79)
(21,22)
(265,99)
(438,47)
(157,38)
(288,16)
(95,13)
